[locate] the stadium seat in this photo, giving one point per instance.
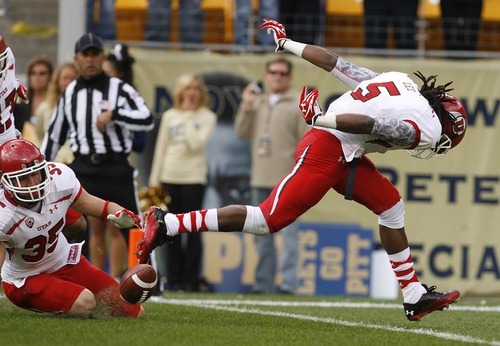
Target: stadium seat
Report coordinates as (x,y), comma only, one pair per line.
(489,39)
(130,18)
(344,23)
(218,27)
(212,23)
(344,7)
(429,9)
(491,10)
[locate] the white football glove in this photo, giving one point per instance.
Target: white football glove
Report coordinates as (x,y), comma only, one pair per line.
(125,219)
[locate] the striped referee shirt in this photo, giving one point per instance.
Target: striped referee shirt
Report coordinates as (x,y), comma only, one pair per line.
(75,117)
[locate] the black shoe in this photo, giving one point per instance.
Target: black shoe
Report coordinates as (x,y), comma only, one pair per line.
(155,234)
(429,302)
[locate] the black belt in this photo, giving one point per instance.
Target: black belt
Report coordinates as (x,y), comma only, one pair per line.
(5,127)
(99,159)
(351,177)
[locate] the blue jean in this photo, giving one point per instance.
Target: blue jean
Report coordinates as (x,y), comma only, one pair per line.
(191,19)
(267,9)
(266,265)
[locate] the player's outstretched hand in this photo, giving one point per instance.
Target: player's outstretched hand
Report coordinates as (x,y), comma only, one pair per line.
(125,219)
(278,31)
(22,94)
(309,105)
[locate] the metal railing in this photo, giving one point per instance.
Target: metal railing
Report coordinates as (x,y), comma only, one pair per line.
(343,33)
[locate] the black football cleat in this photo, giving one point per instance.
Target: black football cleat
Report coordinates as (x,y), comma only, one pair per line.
(155,234)
(429,302)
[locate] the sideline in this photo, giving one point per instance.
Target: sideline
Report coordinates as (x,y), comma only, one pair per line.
(225,305)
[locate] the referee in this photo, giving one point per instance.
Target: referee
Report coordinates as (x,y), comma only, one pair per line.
(97,114)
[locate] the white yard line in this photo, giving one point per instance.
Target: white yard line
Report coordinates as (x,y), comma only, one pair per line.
(226,305)
(353,305)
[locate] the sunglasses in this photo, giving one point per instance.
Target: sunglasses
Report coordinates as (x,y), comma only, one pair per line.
(280,73)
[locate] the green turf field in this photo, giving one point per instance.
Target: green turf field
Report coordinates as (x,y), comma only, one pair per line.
(223,319)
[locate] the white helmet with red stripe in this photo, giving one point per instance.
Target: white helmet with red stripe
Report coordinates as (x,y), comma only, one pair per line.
(23,171)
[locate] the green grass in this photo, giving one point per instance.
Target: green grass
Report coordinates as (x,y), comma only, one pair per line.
(224,319)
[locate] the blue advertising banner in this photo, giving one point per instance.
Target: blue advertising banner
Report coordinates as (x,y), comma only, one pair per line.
(334,259)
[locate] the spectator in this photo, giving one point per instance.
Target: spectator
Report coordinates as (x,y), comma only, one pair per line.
(98,113)
(39,74)
(304,19)
(244,21)
(191,19)
(272,121)
(43,272)
(180,166)
(401,15)
(63,75)
(461,21)
(118,64)
(101,18)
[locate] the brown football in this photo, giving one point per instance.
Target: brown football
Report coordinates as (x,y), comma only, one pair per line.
(138,284)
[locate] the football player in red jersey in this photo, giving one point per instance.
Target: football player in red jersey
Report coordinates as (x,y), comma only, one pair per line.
(382,112)
(42,272)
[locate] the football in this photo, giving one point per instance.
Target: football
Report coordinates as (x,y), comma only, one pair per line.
(138,284)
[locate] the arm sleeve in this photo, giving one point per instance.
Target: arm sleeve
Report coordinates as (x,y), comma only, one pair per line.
(351,74)
(401,133)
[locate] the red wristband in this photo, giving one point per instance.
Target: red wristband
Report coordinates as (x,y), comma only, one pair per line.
(104,214)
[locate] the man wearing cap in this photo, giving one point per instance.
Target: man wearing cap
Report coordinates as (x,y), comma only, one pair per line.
(97,113)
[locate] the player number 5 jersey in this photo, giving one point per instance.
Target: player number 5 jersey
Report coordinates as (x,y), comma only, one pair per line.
(388,95)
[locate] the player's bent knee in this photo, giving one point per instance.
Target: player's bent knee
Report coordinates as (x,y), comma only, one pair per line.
(255,222)
(84,303)
(393,217)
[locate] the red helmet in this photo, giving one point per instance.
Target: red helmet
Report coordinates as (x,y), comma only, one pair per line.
(454,123)
(20,160)
(4,57)
(453,120)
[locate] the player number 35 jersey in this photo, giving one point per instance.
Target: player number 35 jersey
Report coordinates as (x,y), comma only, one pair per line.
(33,238)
